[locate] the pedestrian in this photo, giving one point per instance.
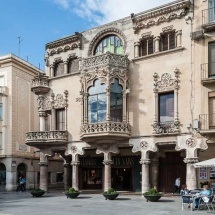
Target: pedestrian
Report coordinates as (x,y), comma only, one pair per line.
(184,190)
(202,196)
(22,184)
(177,185)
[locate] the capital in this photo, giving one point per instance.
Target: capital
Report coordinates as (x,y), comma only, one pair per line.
(75,163)
(107,162)
(191,160)
(145,161)
(43,163)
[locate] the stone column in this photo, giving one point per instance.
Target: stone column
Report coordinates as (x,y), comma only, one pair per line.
(85,109)
(145,174)
(107,178)
(178,38)
(51,74)
(136,49)
(191,180)
(75,175)
(124,111)
(66,176)
(154,174)
(43,172)
(66,67)
(157,44)
(108,96)
(53,119)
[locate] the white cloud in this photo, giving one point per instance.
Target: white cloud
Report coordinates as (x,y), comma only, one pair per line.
(104,11)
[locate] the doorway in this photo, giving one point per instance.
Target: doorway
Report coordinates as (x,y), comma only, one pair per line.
(2,177)
(121,178)
(170,168)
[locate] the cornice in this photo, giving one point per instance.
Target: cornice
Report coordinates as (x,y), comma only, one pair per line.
(165,13)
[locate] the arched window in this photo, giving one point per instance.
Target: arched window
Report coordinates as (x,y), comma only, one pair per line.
(110,43)
(116,102)
(97,103)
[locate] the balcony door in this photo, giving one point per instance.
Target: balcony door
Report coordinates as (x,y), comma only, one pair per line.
(211,11)
(211,111)
(211,60)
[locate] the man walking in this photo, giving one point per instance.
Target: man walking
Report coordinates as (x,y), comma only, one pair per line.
(177,185)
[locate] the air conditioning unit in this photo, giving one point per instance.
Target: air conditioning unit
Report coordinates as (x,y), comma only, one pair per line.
(196,124)
(196,35)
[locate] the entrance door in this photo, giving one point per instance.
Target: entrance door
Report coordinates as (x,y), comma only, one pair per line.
(171,168)
(2,176)
(211,61)
(121,178)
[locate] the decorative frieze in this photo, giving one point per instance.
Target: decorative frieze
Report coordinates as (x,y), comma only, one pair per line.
(107,162)
(145,161)
(162,14)
(191,160)
(166,128)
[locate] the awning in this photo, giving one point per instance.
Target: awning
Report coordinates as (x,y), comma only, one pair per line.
(206,163)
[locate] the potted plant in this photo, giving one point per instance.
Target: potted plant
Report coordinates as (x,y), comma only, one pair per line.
(72,193)
(111,194)
(37,192)
(152,195)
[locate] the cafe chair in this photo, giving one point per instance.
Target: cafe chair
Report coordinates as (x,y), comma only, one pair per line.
(186,200)
(206,203)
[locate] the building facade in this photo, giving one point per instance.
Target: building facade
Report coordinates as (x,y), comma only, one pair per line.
(18,114)
(125,104)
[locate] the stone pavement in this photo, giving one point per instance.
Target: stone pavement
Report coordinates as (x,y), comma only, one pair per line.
(56,203)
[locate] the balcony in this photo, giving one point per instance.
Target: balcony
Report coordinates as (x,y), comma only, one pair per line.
(207,124)
(105,60)
(42,139)
(166,128)
(208,19)
(105,132)
(40,85)
(208,73)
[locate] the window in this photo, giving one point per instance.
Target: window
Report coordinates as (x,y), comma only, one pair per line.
(167,41)
(1,108)
(211,59)
(211,11)
(60,119)
(59,177)
(166,107)
(116,102)
(73,66)
(47,123)
(110,43)
(146,46)
(97,102)
(58,69)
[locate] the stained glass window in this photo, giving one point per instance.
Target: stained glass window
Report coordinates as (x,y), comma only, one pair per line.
(110,43)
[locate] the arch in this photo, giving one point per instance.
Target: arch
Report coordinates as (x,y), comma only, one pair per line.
(102,34)
(22,170)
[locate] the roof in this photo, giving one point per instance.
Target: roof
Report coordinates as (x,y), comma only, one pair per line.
(206,163)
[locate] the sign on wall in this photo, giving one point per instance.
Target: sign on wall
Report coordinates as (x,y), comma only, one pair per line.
(203,173)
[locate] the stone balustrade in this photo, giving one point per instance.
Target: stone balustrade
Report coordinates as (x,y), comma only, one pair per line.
(40,85)
(108,59)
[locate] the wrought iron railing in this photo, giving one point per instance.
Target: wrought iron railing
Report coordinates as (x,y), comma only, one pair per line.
(106,127)
(208,16)
(208,70)
(46,136)
(107,59)
(207,121)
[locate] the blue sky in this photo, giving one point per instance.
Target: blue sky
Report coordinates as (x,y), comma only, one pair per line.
(41,21)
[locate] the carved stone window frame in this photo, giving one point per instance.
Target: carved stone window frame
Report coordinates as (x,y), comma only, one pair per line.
(166,84)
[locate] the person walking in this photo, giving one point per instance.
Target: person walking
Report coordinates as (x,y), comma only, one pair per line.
(177,185)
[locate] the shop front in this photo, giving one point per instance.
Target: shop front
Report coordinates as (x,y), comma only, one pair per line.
(125,173)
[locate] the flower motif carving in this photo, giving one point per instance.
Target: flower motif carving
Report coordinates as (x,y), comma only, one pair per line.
(144,145)
(166,128)
(190,142)
(74,149)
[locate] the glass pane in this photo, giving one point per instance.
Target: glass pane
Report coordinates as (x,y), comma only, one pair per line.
(166,106)
(102,102)
(60,119)
(1,111)
(211,60)
(116,88)
(164,42)
(97,88)
(172,40)
(150,46)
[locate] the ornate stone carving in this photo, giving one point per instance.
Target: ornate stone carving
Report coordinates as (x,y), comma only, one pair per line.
(145,35)
(74,149)
(46,136)
(163,14)
(105,60)
(65,44)
(145,161)
(43,163)
(166,128)
(166,83)
(107,162)
(168,28)
(75,163)
(191,143)
(203,146)
(106,149)
(103,33)
(40,84)
(116,127)
(144,145)
(191,160)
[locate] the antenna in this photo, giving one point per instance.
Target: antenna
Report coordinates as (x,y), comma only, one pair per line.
(20,40)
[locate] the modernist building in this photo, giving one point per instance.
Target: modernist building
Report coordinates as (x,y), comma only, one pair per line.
(18,114)
(130,104)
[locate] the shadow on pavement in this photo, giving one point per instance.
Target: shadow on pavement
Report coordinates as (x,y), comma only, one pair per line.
(123,199)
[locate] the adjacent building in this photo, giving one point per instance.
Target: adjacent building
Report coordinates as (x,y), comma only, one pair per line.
(130,104)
